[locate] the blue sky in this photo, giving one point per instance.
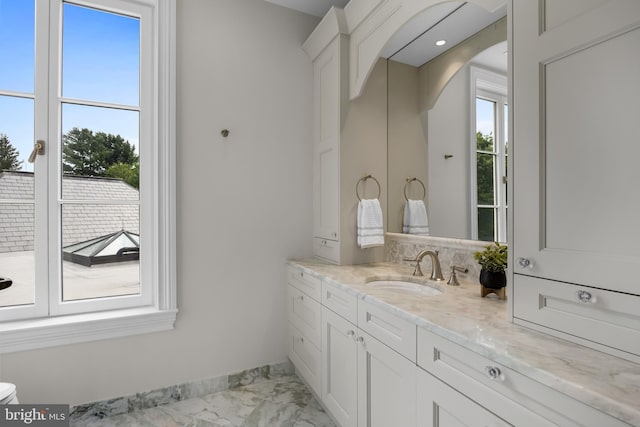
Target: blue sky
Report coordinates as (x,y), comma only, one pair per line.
(100,63)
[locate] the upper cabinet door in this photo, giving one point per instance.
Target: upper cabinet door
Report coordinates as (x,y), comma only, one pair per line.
(326,125)
(576,141)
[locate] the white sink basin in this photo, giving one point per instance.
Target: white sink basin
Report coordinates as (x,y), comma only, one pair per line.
(404,287)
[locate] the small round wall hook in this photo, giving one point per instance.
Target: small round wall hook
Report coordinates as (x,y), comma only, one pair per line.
(224,132)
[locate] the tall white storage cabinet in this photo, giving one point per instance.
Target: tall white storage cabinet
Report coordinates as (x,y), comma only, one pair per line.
(576,204)
(328,48)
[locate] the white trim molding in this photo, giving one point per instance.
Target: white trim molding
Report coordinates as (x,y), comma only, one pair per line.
(54,331)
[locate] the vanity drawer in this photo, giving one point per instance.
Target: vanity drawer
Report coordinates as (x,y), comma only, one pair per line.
(340,302)
(326,249)
(610,319)
(305,282)
(509,394)
(395,332)
(306,357)
(304,314)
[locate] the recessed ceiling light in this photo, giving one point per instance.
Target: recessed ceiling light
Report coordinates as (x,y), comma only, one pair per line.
(441,42)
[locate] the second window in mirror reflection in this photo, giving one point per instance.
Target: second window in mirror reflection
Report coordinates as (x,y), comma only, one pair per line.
(491,166)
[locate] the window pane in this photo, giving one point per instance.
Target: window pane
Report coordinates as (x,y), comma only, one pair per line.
(506,152)
(100,143)
(486,224)
(17,34)
(485,181)
(17,219)
(506,129)
(16,134)
(485,124)
(16,244)
(100,56)
(100,251)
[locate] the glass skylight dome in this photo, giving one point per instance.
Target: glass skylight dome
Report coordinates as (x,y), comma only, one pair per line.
(115,247)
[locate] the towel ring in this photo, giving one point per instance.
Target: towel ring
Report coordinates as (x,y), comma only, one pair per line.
(364,178)
(409,181)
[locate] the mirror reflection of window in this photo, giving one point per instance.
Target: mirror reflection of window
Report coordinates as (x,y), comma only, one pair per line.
(490,154)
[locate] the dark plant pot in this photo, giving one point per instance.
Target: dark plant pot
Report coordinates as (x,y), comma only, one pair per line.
(493,279)
(5,282)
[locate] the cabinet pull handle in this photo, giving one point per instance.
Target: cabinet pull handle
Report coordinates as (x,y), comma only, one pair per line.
(525,263)
(494,373)
(360,340)
(585,297)
(350,333)
(300,298)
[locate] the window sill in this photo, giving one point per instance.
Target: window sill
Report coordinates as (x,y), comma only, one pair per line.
(54,331)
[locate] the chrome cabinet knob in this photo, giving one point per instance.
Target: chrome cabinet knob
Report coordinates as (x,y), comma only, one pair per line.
(585,297)
(524,263)
(300,298)
(494,373)
(360,340)
(350,333)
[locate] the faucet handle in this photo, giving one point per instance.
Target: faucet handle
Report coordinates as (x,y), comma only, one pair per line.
(417,271)
(453,280)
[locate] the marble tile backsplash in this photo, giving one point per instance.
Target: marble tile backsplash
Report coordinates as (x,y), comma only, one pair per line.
(457,252)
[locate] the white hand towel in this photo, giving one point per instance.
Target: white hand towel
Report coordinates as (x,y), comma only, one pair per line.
(370,225)
(415,218)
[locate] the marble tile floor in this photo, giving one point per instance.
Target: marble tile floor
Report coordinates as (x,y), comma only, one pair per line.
(279,402)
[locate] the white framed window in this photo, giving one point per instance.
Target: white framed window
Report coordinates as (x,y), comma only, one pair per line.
(87,231)
(489,155)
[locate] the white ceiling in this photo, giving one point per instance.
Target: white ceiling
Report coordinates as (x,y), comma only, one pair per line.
(414,44)
(312,7)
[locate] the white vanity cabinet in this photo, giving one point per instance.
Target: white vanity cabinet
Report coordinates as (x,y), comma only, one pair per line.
(491,390)
(305,327)
(575,126)
(365,382)
(442,406)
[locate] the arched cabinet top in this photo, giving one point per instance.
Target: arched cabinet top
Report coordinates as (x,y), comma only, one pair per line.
(333,24)
(370,25)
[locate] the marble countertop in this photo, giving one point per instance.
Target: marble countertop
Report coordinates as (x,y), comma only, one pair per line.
(604,382)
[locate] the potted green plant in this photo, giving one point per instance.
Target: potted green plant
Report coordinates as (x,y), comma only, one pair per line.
(493,260)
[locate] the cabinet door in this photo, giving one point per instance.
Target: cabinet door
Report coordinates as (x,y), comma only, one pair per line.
(339,368)
(326,129)
(441,406)
(386,385)
(575,129)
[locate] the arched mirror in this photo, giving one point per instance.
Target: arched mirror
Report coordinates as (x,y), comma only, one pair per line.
(447,113)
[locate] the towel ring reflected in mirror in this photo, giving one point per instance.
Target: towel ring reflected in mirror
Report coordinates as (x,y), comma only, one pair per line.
(409,181)
(363,179)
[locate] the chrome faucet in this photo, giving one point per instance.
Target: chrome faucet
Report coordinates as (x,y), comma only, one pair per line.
(436,271)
